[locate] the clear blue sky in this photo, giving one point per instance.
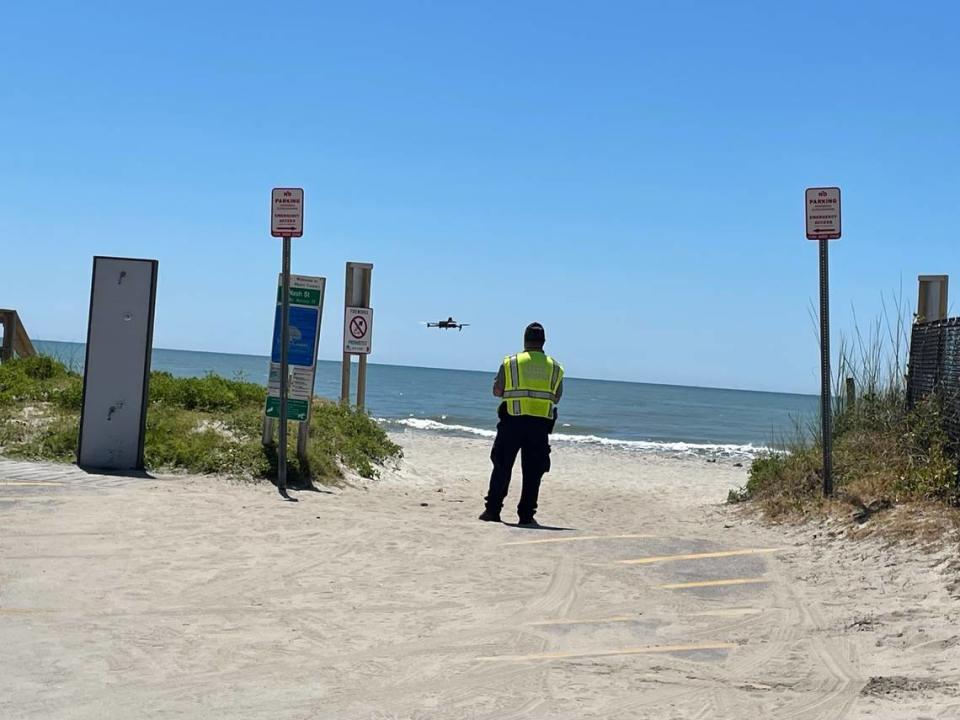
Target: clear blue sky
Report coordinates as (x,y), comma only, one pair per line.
(630,174)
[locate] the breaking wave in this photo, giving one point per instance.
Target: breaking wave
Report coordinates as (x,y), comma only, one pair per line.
(657,447)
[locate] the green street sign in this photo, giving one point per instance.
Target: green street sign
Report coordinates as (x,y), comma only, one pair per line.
(301,296)
(296,409)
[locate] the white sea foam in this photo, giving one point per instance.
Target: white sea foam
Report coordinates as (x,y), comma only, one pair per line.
(421,424)
(687,449)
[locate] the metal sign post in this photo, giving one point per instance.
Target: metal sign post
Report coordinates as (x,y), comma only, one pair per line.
(286,221)
(823,225)
(284,368)
(357,328)
(306,311)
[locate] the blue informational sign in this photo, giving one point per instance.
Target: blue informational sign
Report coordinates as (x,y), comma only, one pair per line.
(303,335)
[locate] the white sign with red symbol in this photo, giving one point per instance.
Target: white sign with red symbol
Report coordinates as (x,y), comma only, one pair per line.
(823,213)
(286,212)
(358,331)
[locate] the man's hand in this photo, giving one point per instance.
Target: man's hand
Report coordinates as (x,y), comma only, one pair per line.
(499,382)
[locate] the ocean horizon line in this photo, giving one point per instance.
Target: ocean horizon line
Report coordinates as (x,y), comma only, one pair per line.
(472,370)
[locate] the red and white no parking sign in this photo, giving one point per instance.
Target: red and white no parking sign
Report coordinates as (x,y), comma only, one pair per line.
(358,331)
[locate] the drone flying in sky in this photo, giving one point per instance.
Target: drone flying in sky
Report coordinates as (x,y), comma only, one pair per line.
(448,324)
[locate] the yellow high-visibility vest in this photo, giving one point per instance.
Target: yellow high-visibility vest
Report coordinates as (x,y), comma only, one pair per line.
(531,383)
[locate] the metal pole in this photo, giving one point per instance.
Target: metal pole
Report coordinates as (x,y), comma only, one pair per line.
(825,414)
(284,345)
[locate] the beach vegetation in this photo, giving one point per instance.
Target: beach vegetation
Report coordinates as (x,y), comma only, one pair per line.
(885,454)
(209,425)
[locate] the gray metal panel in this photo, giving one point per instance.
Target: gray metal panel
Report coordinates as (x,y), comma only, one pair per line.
(117,369)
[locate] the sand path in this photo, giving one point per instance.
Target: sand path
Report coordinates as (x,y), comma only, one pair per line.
(189,598)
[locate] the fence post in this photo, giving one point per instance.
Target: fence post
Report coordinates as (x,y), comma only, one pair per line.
(9,325)
(850,394)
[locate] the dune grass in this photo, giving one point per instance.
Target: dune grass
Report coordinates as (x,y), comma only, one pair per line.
(208,425)
(884,454)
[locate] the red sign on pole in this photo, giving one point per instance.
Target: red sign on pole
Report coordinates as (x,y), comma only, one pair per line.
(286,212)
(823,213)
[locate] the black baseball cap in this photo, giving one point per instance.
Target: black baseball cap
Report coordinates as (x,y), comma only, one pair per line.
(534,334)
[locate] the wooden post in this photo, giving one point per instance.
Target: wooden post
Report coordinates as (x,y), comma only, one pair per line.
(9,325)
(932,297)
(303,436)
(15,338)
(362,381)
(850,394)
(356,294)
(303,433)
(348,294)
(345,379)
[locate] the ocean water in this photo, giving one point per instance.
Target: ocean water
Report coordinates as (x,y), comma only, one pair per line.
(639,416)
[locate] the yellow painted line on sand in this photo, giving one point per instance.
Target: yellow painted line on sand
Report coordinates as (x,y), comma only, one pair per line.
(5,483)
(33,498)
(19,611)
(651,650)
(727,612)
(713,583)
(698,556)
(614,619)
(576,538)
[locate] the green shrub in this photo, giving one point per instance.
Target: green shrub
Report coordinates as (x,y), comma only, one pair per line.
(930,467)
(352,437)
(202,425)
(41,367)
(209,393)
(187,440)
(51,438)
(35,379)
(70,395)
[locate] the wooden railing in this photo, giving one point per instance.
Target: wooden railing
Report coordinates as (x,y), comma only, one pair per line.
(16,342)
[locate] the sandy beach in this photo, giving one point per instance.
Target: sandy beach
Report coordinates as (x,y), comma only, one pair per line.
(186,597)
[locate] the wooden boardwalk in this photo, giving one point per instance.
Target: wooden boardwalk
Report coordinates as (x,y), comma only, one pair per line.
(21,479)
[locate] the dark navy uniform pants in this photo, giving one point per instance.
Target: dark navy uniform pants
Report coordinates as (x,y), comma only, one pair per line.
(529,436)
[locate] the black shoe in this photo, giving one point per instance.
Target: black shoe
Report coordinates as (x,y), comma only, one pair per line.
(488,516)
(528,523)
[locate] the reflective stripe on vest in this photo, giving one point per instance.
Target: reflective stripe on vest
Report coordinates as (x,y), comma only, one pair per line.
(543,395)
(531,382)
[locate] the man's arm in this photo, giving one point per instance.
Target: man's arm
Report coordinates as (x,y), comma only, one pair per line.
(499,383)
(559,390)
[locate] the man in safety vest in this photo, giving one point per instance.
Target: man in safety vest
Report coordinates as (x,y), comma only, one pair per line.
(530,385)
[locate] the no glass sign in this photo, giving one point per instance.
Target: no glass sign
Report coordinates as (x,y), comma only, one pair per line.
(358,331)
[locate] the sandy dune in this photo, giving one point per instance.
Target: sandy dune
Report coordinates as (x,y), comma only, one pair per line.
(181,597)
